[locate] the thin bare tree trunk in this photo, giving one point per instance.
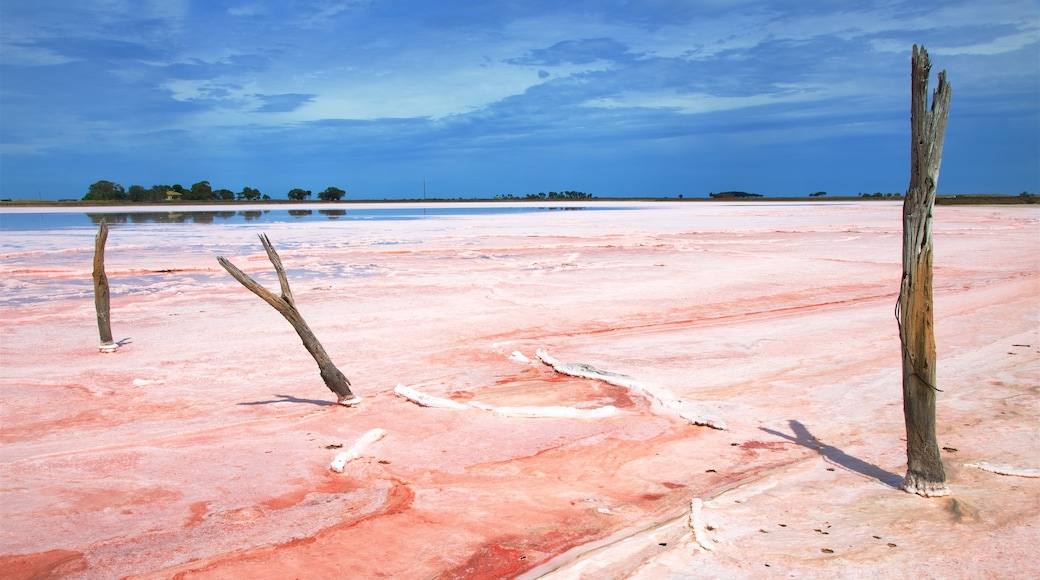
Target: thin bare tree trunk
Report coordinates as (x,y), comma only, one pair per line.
(925,474)
(101,292)
(286,305)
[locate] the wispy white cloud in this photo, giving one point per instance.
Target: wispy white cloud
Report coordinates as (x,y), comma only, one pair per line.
(251,9)
(997,46)
(692,103)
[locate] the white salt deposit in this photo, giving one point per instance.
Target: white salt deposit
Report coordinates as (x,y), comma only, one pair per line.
(697,524)
(425,400)
(355,451)
(519,357)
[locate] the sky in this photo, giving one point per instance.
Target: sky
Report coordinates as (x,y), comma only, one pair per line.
(651,98)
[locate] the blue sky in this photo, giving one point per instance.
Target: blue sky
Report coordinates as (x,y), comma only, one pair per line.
(610,97)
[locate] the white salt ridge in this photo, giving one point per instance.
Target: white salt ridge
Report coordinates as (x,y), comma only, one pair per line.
(686,410)
(697,419)
(425,400)
(355,451)
(519,357)
(148,382)
(587,371)
(1004,469)
(697,524)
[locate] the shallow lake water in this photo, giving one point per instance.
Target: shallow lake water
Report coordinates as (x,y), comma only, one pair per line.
(78,218)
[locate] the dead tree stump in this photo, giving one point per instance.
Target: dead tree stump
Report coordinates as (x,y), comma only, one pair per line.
(286,305)
(925,474)
(101,292)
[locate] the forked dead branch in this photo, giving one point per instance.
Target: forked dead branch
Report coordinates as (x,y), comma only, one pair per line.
(335,380)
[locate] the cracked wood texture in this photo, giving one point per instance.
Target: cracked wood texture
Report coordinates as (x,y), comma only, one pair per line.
(925,474)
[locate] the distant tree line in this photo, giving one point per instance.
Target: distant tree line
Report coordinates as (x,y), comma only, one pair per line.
(733,195)
(987,199)
(201,191)
(550,195)
(330,194)
(879,194)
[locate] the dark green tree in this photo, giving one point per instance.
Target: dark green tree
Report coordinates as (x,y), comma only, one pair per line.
(224,194)
(299,194)
(137,193)
(331,194)
(249,194)
(158,192)
(105,190)
(200,191)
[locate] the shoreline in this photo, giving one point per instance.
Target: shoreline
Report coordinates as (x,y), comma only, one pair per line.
(373,205)
(12,206)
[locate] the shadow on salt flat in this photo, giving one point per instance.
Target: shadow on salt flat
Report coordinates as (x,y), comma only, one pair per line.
(290,399)
(803,437)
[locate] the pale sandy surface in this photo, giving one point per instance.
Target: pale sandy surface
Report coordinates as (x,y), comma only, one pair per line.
(201,448)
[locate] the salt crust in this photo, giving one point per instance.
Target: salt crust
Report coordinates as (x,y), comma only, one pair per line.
(558,412)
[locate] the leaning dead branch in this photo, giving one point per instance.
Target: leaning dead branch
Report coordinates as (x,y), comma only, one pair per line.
(286,306)
(101,292)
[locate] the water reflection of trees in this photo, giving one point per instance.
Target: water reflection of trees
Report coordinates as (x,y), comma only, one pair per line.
(162,217)
(181,217)
(210,217)
(202,217)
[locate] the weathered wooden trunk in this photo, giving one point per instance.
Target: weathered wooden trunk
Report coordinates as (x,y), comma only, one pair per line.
(335,380)
(925,474)
(101,292)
